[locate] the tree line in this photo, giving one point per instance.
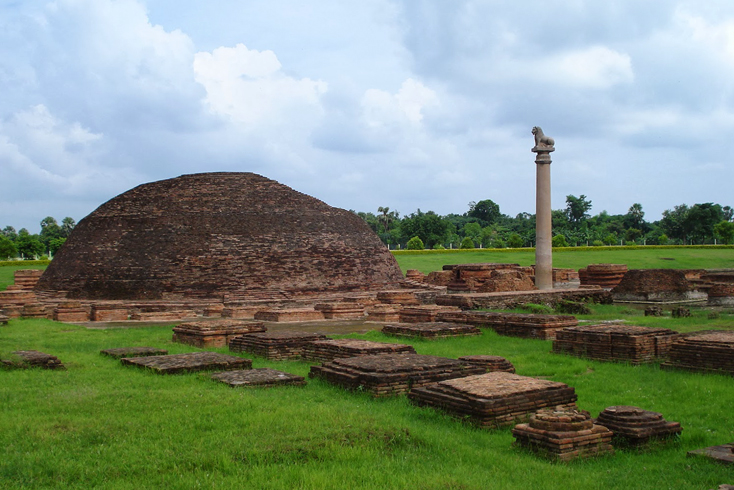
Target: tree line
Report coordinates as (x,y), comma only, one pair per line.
(22,244)
(484,226)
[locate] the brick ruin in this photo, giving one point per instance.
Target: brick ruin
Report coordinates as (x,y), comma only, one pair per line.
(24,359)
(495,399)
(513,324)
(490,363)
(635,426)
(709,351)
(210,240)
(563,434)
(430,330)
(213,333)
(261,377)
(120,352)
(188,363)
(328,350)
(391,374)
(622,343)
(603,275)
(659,285)
(274,345)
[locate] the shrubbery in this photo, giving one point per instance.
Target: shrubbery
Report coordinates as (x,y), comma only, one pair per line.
(415,243)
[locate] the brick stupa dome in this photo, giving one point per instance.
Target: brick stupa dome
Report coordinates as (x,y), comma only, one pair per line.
(215,234)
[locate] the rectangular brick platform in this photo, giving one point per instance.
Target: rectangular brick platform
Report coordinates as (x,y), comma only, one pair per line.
(435,330)
(32,358)
(328,350)
(524,325)
(383,313)
(494,399)
(289,315)
(72,312)
(709,351)
(391,374)
(112,312)
(274,345)
(626,343)
(512,299)
(262,377)
(423,313)
(215,333)
(191,362)
(341,311)
(240,312)
(120,352)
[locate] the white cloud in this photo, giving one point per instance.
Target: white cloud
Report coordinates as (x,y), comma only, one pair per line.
(249,87)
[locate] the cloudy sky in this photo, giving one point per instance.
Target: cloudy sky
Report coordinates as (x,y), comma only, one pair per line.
(364,103)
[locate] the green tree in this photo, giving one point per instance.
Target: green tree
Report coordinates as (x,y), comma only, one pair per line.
(415,243)
(67,224)
(672,222)
(429,227)
(473,231)
(515,241)
(559,241)
(55,244)
(7,248)
(700,221)
(635,217)
(467,242)
(663,239)
(632,235)
(577,208)
(9,233)
(725,231)
(29,246)
(487,211)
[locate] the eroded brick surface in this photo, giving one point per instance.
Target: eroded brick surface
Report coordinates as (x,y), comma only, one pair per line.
(204,235)
(262,377)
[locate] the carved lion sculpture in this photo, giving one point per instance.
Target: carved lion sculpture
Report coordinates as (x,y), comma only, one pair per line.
(541,139)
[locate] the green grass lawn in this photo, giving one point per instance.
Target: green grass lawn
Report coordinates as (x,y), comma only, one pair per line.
(635,258)
(102,425)
(7,271)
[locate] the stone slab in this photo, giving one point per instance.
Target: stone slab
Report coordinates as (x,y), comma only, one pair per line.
(328,350)
(32,358)
(120,352)
(191,362)
(261,377)
(722,454)
(430,330)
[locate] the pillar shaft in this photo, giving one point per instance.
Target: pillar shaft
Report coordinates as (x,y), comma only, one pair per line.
(543,227)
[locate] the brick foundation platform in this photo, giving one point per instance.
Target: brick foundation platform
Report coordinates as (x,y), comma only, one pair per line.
(215,333)
(494,399)
(289,315)
(25,359)
(635,426)
(187,363)
(707,352)
(603,275)
(563,435)
(398,297)
(624,343)
(328,350)
(262,377)
(423,313)
(513,299)
(274,345)
(120,352)
(341,311)
(432,330)
(72,311)
(514,324)
(383,313)
(391,374)
(490,364)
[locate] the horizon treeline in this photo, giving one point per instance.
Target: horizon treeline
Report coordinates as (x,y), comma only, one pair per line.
(484,226)
(23,244)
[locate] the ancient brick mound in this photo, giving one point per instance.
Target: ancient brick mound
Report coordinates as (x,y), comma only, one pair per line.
(707,351)
(624,343)
(328,350)
(120,352)
(391,374)
(494,399)
(274,345)
(215,333)
(32,358)
(430,330)
(657,285)
(490,364)
(262,377)
(204,235)
(563,434)
(191,362)
(635,426)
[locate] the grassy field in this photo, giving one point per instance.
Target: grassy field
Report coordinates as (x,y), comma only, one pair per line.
(7,271)
(635,258)
(102,425)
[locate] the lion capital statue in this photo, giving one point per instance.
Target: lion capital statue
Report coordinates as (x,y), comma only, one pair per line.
(541,140)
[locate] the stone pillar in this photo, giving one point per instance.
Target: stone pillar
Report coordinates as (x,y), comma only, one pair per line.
(543,224)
